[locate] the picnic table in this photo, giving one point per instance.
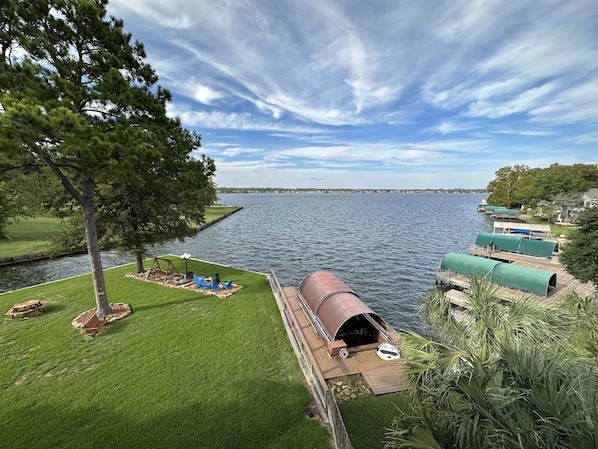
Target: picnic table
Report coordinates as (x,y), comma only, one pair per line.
(26,308)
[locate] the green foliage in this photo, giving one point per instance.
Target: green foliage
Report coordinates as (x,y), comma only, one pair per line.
(547,183)
(585,313)
(505,188)
(184,370)
(506,376)
(580,254)
(520,185)
(79,100)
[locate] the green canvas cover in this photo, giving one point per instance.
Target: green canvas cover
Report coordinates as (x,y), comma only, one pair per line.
(524,278)
(517,243)
(542,248)
(467,265)
(505,211)
(508,275)
(490,207)
(502,242)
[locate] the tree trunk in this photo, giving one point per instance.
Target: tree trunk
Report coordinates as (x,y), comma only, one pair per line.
(139,257)
(93,249)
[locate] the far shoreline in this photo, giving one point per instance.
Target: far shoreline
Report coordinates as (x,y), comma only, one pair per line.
(242,190)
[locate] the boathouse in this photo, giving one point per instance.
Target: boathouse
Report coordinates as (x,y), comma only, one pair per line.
(517,244)
(339,309)
(501,273)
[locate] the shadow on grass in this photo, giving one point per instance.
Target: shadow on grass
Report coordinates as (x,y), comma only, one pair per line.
(171,303)
(54,307)
(248,418)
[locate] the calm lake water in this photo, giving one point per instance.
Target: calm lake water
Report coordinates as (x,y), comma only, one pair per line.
(386,247)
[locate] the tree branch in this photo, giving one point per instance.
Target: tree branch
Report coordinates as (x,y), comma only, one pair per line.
(70,188)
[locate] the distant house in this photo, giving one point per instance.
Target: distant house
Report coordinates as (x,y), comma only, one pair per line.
(590,198)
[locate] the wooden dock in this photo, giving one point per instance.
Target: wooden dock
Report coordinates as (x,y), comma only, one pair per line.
(383,376)
(565,283)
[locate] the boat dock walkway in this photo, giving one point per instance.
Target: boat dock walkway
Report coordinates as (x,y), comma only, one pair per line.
(383,376)
(565,285)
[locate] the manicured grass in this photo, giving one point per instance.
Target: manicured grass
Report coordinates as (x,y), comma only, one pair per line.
(216,211)
(33,235)
(29,235)
(184,370)
(367,418)
(556,230)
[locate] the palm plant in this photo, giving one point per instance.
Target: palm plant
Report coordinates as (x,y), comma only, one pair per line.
(504,377)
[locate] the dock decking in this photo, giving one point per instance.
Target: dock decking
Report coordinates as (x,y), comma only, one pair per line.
(565,283)
(381,375)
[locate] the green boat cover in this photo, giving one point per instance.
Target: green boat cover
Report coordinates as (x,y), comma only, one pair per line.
(542,248)
(468,265)
(505,274)
(504,211)
(517,244)
(502,242)
(489,207)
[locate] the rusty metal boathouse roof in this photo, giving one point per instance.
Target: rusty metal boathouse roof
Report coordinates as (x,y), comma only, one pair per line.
(333,302)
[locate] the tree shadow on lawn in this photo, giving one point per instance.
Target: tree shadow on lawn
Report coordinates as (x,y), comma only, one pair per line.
(171,303)
(242,419)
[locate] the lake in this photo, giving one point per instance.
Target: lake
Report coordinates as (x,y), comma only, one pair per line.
(385,246)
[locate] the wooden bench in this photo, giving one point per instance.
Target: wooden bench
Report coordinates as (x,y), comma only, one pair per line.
(94,324)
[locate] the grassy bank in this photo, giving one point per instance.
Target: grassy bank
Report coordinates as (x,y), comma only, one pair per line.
(184,370)
(34,235)
(367,418)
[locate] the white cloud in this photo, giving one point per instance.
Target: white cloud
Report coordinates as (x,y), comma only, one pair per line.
(354,84)
(205,94)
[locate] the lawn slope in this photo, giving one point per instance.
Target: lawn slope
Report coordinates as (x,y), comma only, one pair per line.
(184,370)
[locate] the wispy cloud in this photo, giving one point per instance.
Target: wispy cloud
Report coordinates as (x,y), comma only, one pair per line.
(298,88)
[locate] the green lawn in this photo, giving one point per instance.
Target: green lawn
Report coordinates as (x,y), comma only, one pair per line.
(184,370)
(216,211)
(30,235)
(367,418)
(33,235)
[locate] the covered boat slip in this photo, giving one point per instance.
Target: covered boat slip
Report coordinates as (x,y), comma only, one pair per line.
(565,283)
(498,210)
(516,243)
(383,376)
(533,230)
(507,275)
(341,312)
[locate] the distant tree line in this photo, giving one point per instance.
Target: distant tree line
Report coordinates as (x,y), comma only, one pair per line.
(325,190)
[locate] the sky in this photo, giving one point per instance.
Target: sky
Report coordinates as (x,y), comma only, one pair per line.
(377,94)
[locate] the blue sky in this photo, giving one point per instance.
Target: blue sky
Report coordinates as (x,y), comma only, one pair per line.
(376,94)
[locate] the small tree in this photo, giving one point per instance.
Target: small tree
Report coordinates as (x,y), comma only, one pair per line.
(580,254)
(72,93)
(143,209)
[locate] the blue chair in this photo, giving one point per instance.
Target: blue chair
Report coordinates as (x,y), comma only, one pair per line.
(199,281)
(227,284)
(215,285)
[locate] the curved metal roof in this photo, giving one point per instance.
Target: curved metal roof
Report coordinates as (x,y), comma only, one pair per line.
(517,243)
(509,275)
(332,301)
